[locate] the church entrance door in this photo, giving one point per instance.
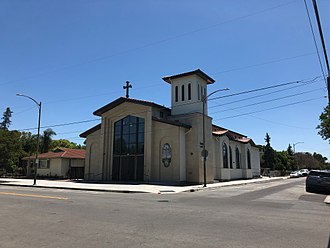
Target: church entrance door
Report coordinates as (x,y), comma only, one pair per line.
(128,154)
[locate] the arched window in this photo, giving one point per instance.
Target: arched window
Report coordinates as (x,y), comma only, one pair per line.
(230,158)
(248,159)
(202,92)
(238,161)
(176,94)
(189,91)
(224,155)
(182,92)
(198,92)
(129,136)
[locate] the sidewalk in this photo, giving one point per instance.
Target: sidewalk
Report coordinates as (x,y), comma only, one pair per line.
(126,188)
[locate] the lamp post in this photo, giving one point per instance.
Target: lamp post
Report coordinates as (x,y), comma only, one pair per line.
(204,151)
(38,137)
(294,146)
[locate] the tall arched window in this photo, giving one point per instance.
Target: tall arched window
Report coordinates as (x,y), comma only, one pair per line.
(224,155)
(230,158)
(248,159)
(176,93)
(198,92)
(238,161)
(182,92)
(189,91)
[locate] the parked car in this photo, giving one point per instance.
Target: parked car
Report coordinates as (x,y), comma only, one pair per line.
(294,174)
(304,172)
(318,181)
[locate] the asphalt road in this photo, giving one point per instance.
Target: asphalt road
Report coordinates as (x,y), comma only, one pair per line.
(275,214)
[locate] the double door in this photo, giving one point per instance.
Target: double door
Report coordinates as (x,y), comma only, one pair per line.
(128,168)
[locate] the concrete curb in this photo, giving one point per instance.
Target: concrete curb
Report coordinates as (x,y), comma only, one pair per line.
(210,187)
(155,190)
(71,188)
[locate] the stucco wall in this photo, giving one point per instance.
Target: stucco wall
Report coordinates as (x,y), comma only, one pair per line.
(188,106)
(225,174)
(93,165)
(106,140)
(255,161)
(165,133)
(194,138)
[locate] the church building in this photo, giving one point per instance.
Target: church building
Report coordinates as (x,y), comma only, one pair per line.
(142,141)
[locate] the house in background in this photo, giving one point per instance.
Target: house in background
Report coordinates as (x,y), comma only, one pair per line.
(139,140)
(62,162)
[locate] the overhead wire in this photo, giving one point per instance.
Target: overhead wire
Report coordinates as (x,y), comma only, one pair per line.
(263,63)
(267,101)
(264,94)
(122,115)
(263,110)
(101,58)
(315,43)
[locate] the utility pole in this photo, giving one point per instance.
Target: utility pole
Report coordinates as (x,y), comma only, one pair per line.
(323,46)
(204,151)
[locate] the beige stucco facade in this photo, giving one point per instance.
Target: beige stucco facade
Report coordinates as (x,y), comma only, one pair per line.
(55,167)
(172,140)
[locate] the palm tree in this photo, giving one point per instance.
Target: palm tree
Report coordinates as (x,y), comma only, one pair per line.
(46,139)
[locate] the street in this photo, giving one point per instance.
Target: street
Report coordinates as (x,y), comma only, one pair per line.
(274,214)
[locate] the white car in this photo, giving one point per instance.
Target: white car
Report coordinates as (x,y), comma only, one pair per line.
(294,174)
(303,172)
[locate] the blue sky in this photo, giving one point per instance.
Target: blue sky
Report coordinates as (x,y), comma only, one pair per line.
(75,56)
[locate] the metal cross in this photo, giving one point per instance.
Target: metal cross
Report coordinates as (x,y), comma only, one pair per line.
(128,85)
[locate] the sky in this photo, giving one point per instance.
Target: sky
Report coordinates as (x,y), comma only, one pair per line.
(75,57)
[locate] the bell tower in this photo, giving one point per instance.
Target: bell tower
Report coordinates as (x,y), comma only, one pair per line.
(187,91)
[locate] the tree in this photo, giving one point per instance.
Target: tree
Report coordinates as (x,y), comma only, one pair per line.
(320,158)
(269,154)
(324,127)
(6,119)
(63,143)
(46,140)
(10,149)
(306,160)
(290,151)
(29,143)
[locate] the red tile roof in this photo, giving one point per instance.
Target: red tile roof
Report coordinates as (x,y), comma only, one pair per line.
(61,153)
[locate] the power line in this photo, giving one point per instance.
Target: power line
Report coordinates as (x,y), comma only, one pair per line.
(315,43)
(263,110)
(63,124)
(244,92)
(263,63)
(262,95)
(102,94)
(267,101)
(255,90)
(153,43)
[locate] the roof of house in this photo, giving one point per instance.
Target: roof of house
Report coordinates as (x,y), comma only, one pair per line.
(197,72)
(230,135)
(221,130)
(121,100)
(89,131)
(61,153)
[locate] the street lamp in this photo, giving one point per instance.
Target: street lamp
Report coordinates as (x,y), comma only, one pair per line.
(38,137)
(204,152)
(294,146)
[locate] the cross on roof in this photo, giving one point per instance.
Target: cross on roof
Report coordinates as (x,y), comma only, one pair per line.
(128,85)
